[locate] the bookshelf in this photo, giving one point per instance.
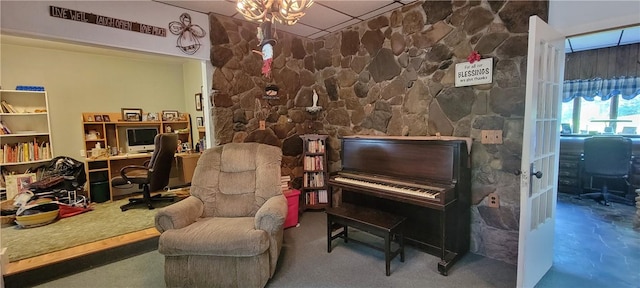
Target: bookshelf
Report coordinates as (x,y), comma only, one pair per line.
(314,179)
(25,133)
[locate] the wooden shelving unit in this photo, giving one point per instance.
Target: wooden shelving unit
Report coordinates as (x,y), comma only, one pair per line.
(315,194)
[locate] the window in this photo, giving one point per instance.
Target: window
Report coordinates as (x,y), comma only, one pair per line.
(590,115)
(597,106)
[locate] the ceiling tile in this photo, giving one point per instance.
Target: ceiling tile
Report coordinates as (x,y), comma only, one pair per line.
(318,35)
(298,29)
(380,11)
(343,25)
(354,8)
(223,7)
(322,17)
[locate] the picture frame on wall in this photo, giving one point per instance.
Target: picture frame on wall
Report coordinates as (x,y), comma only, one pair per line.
(131,114)
(198,101)
(200,121)
(170,115)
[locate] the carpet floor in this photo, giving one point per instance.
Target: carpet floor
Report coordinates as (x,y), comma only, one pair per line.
(104,221)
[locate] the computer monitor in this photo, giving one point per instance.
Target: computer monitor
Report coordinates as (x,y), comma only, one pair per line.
(141,139)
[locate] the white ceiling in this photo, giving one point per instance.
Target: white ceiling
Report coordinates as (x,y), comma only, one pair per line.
(322,18)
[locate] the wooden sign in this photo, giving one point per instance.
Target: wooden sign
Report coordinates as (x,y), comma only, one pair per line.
(79,16)
(479,72)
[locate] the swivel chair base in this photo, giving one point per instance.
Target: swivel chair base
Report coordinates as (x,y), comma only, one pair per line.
(146,199)
(604,197)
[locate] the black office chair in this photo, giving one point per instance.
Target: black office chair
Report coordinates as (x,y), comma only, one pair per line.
(607,157)
(153,176)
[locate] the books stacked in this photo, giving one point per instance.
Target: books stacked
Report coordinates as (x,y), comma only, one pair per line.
(284,182)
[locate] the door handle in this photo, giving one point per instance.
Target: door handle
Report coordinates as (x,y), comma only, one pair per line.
(537,174)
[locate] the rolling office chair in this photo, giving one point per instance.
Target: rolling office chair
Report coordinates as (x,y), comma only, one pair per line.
(607,157)
(153,176)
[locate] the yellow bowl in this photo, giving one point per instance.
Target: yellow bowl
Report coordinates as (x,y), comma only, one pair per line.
(39,219)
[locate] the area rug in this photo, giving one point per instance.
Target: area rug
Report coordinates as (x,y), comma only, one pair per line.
(104,221)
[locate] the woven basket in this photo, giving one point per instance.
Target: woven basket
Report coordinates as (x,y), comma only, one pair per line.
(7,205)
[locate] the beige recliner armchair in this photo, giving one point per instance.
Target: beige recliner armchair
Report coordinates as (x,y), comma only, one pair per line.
(228,232)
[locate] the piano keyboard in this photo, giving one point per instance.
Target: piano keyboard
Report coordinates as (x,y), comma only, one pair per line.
(420,192)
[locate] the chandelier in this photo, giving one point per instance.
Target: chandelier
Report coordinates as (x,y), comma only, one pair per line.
(287,12)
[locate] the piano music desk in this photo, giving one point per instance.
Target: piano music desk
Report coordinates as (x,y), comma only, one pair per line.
(369,220)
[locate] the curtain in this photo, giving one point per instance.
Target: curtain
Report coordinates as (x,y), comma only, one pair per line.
(627,87)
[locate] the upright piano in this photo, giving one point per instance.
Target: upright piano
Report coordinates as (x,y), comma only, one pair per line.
(426,179)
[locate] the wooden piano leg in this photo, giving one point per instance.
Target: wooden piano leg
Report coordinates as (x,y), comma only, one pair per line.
(387,253)
(447,262)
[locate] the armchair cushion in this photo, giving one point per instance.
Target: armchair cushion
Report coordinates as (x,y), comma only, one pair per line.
(236,180)
(216,236)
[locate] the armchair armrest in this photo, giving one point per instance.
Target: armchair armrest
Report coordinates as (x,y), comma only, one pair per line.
(271,216)
(179,215)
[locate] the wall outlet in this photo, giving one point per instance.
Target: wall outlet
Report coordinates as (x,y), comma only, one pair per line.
(493,200)
(491,137)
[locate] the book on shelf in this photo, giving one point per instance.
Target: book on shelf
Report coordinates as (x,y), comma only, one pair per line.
(313,163)
(322,196)
(7,108)
(4,129)
(316,197)
(312,180)
(315,146)
(25,152)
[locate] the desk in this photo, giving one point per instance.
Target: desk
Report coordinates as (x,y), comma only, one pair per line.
(570,177)
(611,126)
(187,164)
(105,168)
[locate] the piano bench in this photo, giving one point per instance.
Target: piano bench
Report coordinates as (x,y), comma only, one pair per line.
(369,220)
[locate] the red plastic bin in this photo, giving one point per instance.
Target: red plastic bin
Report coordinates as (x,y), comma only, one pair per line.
(292,214)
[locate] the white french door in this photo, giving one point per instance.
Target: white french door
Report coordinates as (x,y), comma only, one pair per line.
(540,145)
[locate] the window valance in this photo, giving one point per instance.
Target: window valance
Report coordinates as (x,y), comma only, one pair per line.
(628,87)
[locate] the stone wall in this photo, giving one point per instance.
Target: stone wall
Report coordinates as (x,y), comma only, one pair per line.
(390,75)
